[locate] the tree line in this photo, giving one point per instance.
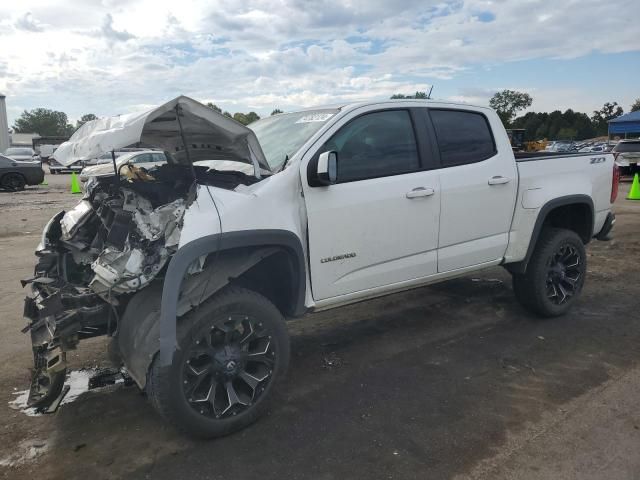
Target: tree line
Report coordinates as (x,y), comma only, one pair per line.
(46,122)
(557,125)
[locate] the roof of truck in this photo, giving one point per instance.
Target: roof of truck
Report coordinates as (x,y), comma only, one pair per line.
(365,103)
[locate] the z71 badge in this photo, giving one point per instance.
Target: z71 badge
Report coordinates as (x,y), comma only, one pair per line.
(338,257)
(598,160)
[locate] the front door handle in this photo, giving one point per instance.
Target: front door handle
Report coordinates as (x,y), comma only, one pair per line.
(421,192)
(499,180)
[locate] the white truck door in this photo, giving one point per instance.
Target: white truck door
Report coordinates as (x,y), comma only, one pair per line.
(378,225)
(478,181)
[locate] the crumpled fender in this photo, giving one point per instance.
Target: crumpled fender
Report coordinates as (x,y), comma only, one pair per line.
(222,241)
(149,325)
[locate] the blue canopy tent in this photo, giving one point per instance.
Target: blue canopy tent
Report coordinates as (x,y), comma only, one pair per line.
(625,124)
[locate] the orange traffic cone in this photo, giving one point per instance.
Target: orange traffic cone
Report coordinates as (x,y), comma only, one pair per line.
(634,193)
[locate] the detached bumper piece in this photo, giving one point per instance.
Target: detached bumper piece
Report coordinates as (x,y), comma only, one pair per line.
(57,323)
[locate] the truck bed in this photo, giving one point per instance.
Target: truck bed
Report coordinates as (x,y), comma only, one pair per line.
(530,156)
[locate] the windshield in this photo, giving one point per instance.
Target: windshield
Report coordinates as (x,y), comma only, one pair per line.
(19,151)
(624,147)
(282,135)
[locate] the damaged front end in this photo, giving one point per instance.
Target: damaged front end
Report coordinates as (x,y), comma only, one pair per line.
(116,241)
(119,239)
(92,260)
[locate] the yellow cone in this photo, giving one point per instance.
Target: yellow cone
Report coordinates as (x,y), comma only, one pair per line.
(75,184)
(634,193)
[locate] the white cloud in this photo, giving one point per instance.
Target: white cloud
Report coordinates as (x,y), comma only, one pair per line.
(109,56)
(27,22)
(110,33)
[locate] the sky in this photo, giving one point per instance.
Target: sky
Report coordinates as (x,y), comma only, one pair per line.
(114,56)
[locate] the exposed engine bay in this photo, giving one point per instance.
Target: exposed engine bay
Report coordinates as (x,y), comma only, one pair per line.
(93,258)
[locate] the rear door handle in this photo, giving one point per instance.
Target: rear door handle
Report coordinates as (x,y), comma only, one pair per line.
(421,192)
(498,180)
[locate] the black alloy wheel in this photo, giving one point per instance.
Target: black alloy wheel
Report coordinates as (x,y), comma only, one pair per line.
(233,351)
(563,275)
(227,368)
(555,273)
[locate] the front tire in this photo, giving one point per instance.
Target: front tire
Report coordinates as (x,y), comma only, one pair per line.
(232,352)
(555,274)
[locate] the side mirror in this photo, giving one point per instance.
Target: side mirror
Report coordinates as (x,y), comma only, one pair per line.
(327,171)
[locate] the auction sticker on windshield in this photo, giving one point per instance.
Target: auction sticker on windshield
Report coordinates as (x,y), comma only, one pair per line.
(315,117)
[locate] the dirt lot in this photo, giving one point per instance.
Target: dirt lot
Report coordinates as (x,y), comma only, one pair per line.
(450,381)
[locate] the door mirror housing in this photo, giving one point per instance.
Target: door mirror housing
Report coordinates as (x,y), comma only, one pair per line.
(327,170)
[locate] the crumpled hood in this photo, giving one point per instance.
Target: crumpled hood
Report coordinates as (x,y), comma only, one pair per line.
(209,135)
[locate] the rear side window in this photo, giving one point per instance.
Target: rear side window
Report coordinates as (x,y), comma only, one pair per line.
(377,144)
(463,137)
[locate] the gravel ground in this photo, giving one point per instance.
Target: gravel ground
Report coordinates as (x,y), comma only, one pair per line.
(455,380)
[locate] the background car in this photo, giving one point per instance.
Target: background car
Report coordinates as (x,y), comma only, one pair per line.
(102,159)
(593,148)
(107,157)
(22,154)
(55,167)
(144,158)
(15,174)
(627,153)
(559,146)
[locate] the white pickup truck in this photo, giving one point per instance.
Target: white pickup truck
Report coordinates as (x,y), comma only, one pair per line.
(193,269)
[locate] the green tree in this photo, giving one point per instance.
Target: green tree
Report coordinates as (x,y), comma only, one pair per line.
(600,118)
(87,117)
(509,102)
(240,118)
(418,95)
(636,105)
(567,134)
(276,111)
(214,106)
(44,122)
(227,114)
(252,117)
(246,118)
(554,125)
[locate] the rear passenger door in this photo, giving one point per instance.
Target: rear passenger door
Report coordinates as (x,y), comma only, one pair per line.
(478,182)
(378,225)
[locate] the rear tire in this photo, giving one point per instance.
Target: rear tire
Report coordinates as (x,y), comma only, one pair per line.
(232,352)
(555,274)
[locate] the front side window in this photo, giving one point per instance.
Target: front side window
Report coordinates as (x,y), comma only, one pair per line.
(377,144)
(463,137)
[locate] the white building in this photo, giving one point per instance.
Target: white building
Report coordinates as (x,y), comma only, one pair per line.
(4,126)
(22,139)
